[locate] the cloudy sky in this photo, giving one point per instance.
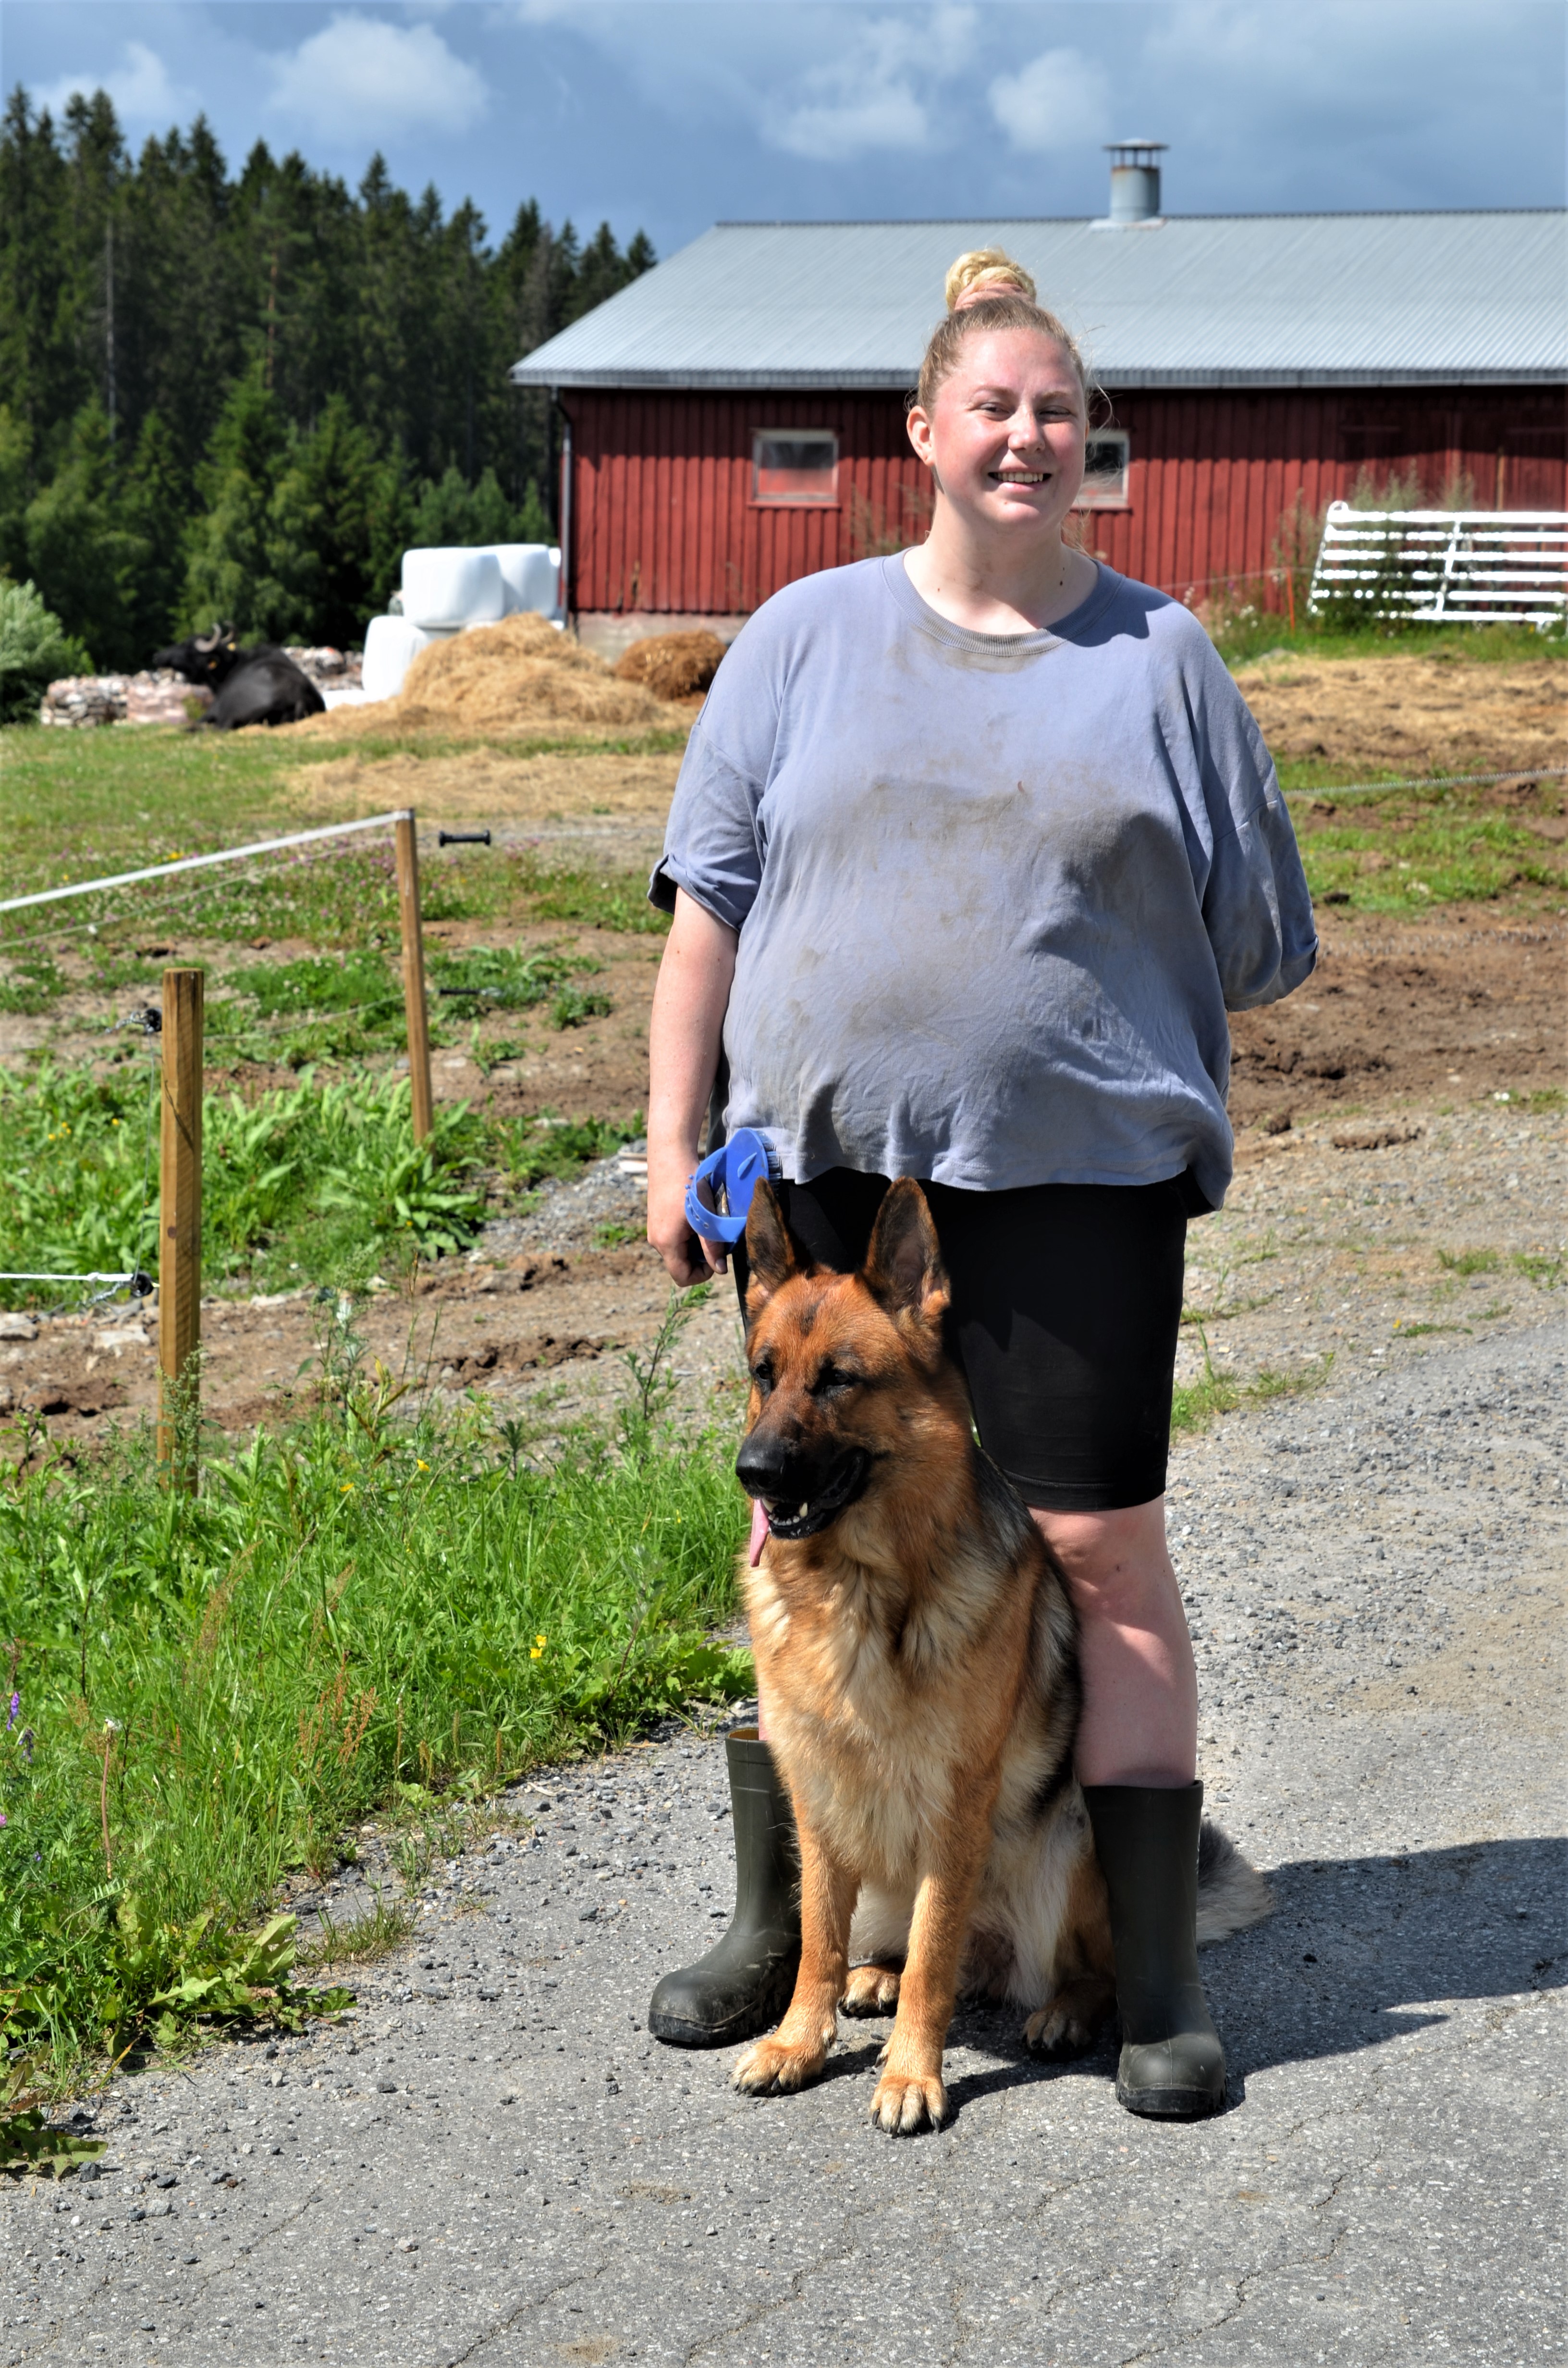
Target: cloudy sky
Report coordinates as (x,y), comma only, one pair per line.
(670,114)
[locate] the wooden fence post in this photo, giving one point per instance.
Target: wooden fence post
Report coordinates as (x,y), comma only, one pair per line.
(179,1227)
(414,972)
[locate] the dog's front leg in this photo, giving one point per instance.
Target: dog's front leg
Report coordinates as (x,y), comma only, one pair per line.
(798,2049)
(910,2092)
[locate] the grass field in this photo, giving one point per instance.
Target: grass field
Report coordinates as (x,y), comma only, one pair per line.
(1406,851)
(1242,633)
(204,1694)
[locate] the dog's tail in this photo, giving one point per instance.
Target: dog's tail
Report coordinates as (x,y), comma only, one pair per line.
(1231,1892)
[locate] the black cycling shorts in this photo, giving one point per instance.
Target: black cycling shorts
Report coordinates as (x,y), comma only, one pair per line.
(1067,1303)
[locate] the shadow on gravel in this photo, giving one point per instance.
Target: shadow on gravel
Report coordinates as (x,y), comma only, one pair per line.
(1357,1948)
(1354,1952)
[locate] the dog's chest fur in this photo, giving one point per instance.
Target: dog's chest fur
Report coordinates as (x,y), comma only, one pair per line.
(886,1695)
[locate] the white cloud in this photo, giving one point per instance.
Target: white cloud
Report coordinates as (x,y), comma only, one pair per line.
(880,92)
(892,118)
(140,87)
(1059,101)
(360,78)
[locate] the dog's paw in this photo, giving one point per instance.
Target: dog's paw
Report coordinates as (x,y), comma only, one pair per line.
(772,2067)
(905,2102)
(870,1990)
(1067,2026)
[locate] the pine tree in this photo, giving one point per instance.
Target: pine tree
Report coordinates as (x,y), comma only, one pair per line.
(228,573)
(233,394)
(79,548)
(155,494)
(321,529)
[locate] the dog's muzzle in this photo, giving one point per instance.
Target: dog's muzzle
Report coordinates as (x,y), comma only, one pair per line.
(799,1503)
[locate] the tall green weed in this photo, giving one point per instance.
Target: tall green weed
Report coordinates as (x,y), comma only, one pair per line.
(310,1177)
(207,1692)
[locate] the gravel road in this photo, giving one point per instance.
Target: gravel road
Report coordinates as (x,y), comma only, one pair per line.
(491,2162)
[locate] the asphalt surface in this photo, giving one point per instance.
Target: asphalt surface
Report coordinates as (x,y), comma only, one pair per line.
(492,2163)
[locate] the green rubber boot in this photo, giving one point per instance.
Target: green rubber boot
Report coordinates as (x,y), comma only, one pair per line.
(1172,2066)
(744,1983)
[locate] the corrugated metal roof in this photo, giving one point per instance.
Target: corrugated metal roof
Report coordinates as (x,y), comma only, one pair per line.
(1238,299)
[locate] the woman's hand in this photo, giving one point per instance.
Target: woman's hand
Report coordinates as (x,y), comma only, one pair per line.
(688,1256)
(684,1036)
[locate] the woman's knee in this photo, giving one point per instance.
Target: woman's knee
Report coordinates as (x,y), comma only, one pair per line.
(1116,1564)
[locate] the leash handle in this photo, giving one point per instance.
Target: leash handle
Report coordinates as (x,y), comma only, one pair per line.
(734,1170)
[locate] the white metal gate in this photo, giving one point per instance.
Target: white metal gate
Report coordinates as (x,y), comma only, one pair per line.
(1462,567)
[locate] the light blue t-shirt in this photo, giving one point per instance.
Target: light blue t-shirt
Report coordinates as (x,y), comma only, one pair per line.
(994,894)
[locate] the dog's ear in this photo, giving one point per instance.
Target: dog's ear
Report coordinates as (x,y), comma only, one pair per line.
(903,1266)
(773,1254)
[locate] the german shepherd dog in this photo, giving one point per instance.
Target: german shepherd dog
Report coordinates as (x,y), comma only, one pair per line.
(916,1650)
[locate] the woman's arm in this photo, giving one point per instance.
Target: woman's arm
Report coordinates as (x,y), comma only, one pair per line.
(684,1036)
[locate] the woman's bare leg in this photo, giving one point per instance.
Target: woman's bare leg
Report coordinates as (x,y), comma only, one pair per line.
(1140,1718)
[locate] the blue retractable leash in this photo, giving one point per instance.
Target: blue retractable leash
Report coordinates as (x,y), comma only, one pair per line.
(734,1170)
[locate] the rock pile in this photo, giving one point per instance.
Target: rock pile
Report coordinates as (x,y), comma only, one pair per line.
(81,702)
(328,668)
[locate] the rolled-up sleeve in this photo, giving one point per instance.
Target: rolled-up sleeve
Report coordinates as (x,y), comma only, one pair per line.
(712,844)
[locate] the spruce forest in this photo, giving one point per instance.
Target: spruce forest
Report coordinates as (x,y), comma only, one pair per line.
(243,396)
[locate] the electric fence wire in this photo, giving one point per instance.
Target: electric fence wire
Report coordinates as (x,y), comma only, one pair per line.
(178,899)
(1430,781)
(135,1280)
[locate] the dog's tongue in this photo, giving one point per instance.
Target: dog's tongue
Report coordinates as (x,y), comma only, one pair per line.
(758,1532)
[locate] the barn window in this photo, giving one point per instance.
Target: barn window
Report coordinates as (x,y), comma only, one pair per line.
(794,464)
(1105,469)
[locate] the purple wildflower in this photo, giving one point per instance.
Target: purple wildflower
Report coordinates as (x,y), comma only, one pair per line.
(15,1712)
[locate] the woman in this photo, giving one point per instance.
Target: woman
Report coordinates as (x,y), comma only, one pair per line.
(972,851)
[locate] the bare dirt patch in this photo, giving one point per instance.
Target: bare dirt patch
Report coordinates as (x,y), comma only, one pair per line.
(1445,1008)
(1400,717)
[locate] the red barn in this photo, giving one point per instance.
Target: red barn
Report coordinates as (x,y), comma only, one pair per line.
(734,419)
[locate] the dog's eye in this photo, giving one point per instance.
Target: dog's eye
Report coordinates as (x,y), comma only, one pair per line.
(763,1377)
(832,1379)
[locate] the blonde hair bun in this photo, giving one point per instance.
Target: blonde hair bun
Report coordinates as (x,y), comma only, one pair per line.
(986,271)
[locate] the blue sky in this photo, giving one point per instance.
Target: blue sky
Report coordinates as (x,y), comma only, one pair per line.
(670,114)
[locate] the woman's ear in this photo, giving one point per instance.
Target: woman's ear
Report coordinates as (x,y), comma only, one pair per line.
(918,423)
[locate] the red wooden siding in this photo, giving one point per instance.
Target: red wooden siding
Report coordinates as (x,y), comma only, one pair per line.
(663,521)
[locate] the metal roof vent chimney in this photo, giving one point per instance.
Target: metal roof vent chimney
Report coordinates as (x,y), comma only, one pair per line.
(1135,184)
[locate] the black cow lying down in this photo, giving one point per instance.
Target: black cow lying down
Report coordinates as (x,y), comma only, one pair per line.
(255,685)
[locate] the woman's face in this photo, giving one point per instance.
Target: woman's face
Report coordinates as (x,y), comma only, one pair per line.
(1005,438)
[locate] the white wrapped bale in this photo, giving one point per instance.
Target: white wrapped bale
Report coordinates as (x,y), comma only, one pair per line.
(445,589)
(391,644)
(531,574)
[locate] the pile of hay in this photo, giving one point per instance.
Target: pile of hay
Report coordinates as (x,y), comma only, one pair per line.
(673,666)
(518,676)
